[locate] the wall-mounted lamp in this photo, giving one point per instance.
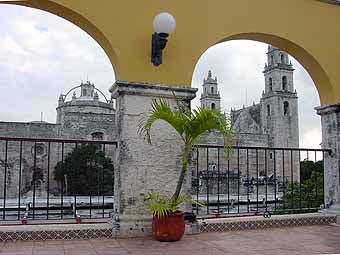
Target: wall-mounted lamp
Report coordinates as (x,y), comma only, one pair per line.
(164,23)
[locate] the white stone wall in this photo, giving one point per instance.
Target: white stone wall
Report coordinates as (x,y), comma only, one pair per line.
(145,167)
(330,120)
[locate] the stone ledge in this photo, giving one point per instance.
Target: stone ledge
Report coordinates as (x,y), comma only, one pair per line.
(327,109)
(55,231)
(149,89)
(258,222)
(105,230)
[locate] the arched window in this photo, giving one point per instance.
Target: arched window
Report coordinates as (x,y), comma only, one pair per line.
(212,90)
(282,59)
(97,136)
(284,83)
(285,108)
(270,84)
(268,110)
(84,92)
(272,60)
(213,106)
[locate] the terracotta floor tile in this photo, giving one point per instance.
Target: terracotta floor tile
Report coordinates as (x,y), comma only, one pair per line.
(295,240)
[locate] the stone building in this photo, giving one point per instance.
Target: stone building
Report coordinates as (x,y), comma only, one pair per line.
(271,123)
(83,117)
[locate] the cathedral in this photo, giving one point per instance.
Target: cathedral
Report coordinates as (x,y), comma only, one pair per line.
(272,123)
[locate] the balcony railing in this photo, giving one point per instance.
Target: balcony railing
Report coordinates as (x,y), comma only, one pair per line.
(54,179)
(256,180)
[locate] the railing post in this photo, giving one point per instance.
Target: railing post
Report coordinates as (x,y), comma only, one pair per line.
(330,121)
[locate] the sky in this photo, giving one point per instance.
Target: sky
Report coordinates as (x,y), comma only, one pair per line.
(43,55)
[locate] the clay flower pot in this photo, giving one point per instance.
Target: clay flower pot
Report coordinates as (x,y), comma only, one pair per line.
(169,228)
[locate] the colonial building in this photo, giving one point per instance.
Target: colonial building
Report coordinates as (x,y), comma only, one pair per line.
(271,123)
(83,117)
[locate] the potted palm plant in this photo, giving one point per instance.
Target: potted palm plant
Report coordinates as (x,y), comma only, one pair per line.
(168,220)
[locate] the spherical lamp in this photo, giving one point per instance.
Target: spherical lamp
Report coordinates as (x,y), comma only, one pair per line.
(164,24)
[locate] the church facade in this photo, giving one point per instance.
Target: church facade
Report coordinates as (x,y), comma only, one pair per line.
(81,117)
(272,123)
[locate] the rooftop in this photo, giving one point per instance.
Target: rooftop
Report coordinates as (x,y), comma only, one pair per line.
(292,240)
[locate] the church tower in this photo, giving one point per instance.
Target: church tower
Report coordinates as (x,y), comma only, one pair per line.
(279,102)
(279,115)
(210,98)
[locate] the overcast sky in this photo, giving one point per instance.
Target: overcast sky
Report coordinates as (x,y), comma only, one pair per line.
(43,55)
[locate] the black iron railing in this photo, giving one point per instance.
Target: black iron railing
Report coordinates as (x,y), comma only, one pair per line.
(256,180)
(53,179)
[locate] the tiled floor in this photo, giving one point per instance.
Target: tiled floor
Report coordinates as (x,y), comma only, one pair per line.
(297,240)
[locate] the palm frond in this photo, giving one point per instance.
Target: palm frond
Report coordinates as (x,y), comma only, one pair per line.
(161,110)
(203,120)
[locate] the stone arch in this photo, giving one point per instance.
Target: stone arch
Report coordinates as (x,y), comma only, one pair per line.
(133,41)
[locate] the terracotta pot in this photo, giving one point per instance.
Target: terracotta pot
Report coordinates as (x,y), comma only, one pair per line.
(169,228)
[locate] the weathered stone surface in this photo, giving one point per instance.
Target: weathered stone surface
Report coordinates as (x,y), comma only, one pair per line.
(330,122)
(145,167)
(81,118)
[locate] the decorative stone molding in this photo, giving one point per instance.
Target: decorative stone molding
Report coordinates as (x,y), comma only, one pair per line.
(260,222)
(153,90)
(55,232)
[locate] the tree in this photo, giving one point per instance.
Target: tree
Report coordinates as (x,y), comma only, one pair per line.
(87,171)
(308,193)
(307,167)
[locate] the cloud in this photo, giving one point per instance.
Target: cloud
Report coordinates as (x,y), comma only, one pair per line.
(311,138)
(45,56)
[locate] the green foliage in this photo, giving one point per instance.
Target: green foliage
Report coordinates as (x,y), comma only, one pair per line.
(160,206)
(190,126)
(87,171)
(308,194)
(308,167)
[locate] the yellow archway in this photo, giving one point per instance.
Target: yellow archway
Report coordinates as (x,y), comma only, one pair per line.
(316,72)
(307,29)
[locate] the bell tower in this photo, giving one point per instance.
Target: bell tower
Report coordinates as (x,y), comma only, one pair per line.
(210,97)
(279,110)
(279,100)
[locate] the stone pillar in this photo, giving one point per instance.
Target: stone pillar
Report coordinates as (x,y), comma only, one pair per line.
(330,122)
(142,167)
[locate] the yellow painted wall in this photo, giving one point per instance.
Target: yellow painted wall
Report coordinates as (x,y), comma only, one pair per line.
(307,29)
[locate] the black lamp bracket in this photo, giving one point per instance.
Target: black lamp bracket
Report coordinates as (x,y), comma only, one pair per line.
(159,41)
